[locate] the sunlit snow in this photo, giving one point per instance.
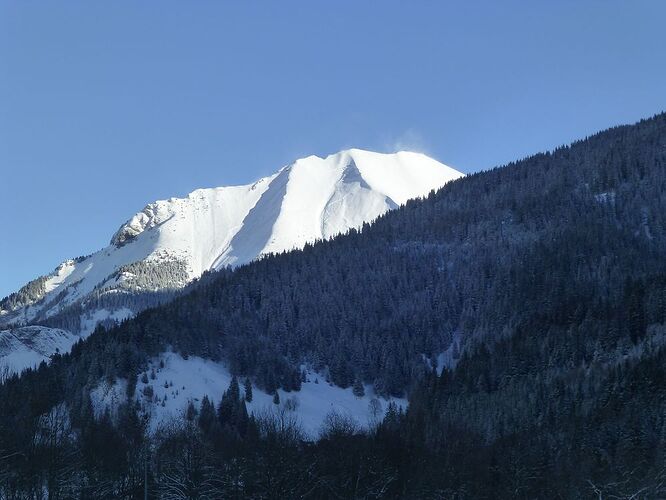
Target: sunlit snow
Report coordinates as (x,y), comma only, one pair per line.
(183,380)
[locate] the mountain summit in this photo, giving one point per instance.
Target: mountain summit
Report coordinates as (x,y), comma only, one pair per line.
(313,198)
(171,242)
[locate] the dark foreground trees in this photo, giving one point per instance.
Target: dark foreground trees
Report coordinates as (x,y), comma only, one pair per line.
(599,435)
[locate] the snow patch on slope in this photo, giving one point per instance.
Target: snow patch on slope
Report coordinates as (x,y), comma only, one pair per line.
(59,275)
(90,320)
(27,347)
(183,380)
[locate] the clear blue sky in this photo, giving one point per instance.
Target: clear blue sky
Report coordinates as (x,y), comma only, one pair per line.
(105,106)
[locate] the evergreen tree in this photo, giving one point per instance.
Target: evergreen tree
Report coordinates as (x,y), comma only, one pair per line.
(358,389)
(190,412)
(248,390)
(207,415)
(234,389)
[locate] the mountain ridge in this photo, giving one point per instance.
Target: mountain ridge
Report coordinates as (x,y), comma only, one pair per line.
(171,242)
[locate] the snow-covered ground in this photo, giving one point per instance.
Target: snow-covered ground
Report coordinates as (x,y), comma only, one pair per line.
(28,346)
(90,320)
(450,357)
(182,380)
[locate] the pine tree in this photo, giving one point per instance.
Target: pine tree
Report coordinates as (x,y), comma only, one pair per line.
(234,389)
(276,398)
(191,412)
(248,390)
(207,415)
(358,389)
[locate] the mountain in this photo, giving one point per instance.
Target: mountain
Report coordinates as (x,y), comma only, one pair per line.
(172,242)
(521,310)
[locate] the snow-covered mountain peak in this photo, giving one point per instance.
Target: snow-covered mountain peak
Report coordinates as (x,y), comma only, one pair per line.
(398,177)
(171,242)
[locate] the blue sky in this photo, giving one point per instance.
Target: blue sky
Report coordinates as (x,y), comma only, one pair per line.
(106,106)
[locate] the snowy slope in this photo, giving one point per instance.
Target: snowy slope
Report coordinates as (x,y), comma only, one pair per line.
(27,347)
(178,381)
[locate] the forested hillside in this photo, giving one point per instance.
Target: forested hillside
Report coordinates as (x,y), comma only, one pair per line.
(561,236)
(549,273)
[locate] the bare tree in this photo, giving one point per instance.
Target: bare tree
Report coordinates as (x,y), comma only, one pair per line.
(54,443)
(375,411)
(183,471)
(338,424)
(279,424)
